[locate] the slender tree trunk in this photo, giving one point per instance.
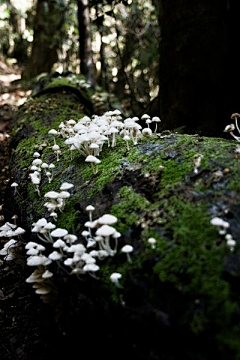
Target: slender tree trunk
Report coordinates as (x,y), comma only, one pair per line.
(48,22)
(85,41)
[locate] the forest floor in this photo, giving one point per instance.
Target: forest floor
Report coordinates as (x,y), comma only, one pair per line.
(23,330)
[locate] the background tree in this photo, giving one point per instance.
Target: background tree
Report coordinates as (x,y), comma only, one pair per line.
(198,73)
(49,20)
(85,41)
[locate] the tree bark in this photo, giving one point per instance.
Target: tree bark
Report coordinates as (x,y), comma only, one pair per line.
(85,41)
(194,65)
(46,41)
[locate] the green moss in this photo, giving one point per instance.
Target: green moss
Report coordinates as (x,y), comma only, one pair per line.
(128,208)
(68,218)
(78,82)
(193,261)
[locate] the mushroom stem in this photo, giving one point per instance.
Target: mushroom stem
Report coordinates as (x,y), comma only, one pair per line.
(129,257)
(235,137)
(236,123)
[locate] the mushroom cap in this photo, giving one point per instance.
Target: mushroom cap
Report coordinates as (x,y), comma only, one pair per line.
(59,232)
(36,260)
(145,116)
(55,147)
(41,222)
(47,274)
(90,208)
(91,158)
(59,243)
(31,251)
(70,238)
(42,291)
(91,267)
(77,248)
(229,128)
(216,221)
(235,115)
(146,132)
(107,219)
(30,245)
(7,226)
(64,194)
(105,230)
(53,132)
(90,224)
(49,226)
(127,248)
(231,243)
(36,154)
(66,186)
(152,240)
(156,119)
(55,255)
(44,166)
(115,276)
(19,231)
(37,162)
(52,195)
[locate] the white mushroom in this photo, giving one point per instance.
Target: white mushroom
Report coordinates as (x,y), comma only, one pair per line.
(66,186)
(220,224)
(107,219)
(157,120)
(90,210)
(55,255)
(47,274)
(152,241)
(114,277)
(127,249)
(106,231)
(93,160)
(14,185)
(59,233)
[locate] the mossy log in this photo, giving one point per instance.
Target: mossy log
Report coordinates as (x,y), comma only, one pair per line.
(178,297)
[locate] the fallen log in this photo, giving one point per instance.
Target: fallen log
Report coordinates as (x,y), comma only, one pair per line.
(144,243)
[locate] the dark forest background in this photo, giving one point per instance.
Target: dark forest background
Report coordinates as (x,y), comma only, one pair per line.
(173,59)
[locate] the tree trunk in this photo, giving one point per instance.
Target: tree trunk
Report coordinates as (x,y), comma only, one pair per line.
(85,41)
(194,66)
(46,41)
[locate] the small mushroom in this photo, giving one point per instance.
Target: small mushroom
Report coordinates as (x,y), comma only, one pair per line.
(157,120)
(114,277)
(235,117)
(93,160)
(127,249)
(106,231)
(152,241)
(14,185)
(230,128)
(66,186)
(90,210)
(59,233)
